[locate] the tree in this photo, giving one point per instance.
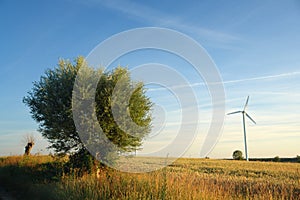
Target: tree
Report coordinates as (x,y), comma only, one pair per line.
(29,140)
(237,155)
(50,103)
(276,159)
(298,158)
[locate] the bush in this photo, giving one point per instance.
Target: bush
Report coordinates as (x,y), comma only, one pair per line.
(298,158)
(83,162)
(237,155)
(276,159)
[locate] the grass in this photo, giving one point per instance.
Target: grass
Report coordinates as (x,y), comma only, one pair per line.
(42,177)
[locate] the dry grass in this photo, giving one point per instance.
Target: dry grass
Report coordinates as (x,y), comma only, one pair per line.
(184,179)
(24,160)
(195,179)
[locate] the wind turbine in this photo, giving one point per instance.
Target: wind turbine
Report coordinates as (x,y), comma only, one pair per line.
(244,113)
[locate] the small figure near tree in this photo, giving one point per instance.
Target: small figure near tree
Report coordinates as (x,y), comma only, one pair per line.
(237,155)
(29,140)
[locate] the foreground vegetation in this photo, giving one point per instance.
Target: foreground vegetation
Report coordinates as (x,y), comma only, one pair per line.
(45,177)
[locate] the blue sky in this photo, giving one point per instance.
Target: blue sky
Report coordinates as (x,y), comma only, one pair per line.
(255,46)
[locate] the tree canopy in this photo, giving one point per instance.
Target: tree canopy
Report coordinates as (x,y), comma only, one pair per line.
(50,103)
(237,155)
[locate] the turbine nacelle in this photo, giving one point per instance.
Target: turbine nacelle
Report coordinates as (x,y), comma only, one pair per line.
(244,111)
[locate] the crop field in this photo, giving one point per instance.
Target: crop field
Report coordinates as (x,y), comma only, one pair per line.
(43,177)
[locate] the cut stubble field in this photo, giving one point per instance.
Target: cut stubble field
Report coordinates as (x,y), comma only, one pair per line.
(37,177)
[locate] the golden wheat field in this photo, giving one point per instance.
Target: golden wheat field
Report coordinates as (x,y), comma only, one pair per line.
(42,177)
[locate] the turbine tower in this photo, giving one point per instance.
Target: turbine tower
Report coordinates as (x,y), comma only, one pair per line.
(244,125)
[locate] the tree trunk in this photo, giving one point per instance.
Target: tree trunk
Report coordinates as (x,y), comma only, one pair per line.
(28,148)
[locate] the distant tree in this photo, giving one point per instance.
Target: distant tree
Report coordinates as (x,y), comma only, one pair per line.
(298,158)
(276,159)
(29,140)
(50,103)
(237,155)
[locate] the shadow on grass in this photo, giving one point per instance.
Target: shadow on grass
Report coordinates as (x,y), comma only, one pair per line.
(27,178)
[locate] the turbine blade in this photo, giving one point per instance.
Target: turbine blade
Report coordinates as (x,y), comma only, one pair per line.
(246,104)
(234,112)
(250,118)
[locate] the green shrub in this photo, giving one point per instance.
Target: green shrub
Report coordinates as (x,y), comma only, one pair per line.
(276,159)
(237,155)
(82,162)
(298,158)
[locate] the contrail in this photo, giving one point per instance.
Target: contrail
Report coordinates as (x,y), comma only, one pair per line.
(230,81)
(263,77)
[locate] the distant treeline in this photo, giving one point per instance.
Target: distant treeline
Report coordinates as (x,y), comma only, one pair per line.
(277,159)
